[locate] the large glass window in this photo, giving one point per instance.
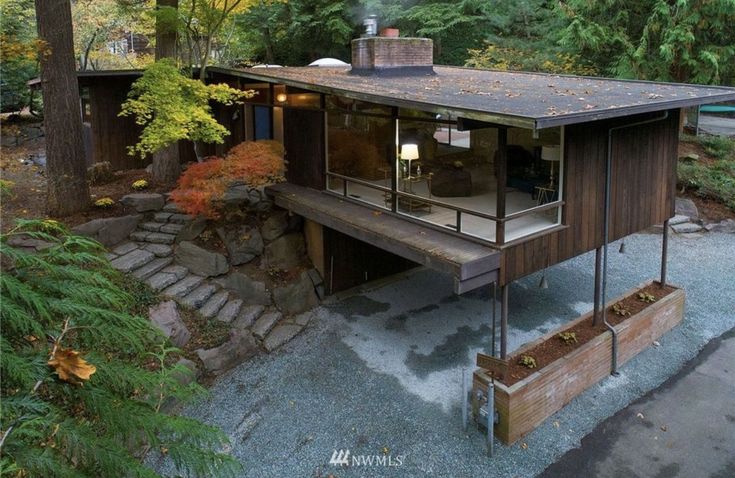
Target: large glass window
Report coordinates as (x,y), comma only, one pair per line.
(443,170)
(361,147)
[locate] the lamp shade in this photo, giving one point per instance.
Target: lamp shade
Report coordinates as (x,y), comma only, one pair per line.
(409,151)
(550,153)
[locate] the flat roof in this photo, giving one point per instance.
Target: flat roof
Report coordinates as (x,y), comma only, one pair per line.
(530,100)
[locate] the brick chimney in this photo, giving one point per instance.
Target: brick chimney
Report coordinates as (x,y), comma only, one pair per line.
(392,56)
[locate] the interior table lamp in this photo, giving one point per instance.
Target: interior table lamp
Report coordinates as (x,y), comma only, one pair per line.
(552,154)
(409,152)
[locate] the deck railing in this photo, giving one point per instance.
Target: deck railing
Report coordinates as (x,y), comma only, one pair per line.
(459,211)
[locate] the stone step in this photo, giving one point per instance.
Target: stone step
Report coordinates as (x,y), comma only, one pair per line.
(151,226)
(179,271)
(124,248)
(180,218)
(214,304)
(280,335)
(265,323)
(132,260)
(196,298)
(161,280)
(171,228)
(153,237)
(230,310)
(162,216)
(686,227)
(184,286)
(160,250)
(152,267)
(172,207)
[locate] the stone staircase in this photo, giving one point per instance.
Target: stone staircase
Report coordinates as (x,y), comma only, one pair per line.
(148,256)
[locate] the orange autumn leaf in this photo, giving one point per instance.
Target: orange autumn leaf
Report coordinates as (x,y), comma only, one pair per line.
(70,367)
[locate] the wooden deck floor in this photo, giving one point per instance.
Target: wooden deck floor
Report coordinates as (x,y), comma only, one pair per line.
(472,264)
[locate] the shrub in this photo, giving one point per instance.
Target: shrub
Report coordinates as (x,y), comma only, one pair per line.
(104,203)
(83,379)
(140,185)
(201,187)
(715,180)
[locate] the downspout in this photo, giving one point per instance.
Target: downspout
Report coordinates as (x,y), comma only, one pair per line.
(606,230)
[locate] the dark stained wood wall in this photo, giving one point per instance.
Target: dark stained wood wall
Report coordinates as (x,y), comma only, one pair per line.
(349,262)
(643,190)
(111,134)
(303,138)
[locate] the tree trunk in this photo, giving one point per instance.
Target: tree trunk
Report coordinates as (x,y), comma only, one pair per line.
(66,168)
(166,167)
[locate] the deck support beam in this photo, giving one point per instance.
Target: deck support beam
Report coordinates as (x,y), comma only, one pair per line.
(596,318)
(664,252)
(504,321)
(495,303)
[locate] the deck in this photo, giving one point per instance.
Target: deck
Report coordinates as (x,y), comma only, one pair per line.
(472,265)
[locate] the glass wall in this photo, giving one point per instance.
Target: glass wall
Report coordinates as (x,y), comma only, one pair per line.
(443,170)
(360,145)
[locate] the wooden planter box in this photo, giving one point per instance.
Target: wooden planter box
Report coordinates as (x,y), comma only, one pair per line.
(524,405)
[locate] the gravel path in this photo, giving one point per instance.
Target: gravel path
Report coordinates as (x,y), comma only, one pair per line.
(379,373)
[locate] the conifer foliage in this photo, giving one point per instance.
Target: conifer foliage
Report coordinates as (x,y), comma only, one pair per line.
(84,378)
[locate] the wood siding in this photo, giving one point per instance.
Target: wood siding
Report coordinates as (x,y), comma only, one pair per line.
(111,134)
(642,195)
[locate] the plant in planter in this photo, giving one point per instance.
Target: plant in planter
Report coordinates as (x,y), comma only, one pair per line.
(619,309)
(646,297)
(568,338)
(527,361)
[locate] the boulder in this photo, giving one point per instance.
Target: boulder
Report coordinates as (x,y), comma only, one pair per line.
(243,243)
(109,231)
(250,291)
(286,251)
(144,202)
(201,261)
(726,225)
(296,297)
(240,346)
(236,195)
(166,317)
(275,226)
(191,230)
(26,242)
(190,374)
(686,207)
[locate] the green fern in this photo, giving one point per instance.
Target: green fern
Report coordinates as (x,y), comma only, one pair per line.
(68,295)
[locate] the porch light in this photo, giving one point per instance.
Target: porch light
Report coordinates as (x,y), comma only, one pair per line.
(281,97)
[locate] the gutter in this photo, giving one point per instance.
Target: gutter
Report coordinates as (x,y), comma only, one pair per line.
(606,229)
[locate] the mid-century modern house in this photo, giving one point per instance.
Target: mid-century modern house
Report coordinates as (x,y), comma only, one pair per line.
(485,175)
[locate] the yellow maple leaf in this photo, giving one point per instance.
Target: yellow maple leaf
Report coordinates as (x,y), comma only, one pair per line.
(70,367)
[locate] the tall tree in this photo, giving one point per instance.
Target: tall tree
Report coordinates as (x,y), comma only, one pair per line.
(66,169)
(166,167)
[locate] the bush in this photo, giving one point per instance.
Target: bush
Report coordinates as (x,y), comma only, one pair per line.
(83,378)
(715,181)
(202,186)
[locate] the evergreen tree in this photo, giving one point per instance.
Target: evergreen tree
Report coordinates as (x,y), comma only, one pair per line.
(84,379)
(683,40)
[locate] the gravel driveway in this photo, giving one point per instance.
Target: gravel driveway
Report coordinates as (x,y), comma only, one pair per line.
(378,373)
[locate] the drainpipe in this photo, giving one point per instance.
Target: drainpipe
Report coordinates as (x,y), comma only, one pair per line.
(606,230)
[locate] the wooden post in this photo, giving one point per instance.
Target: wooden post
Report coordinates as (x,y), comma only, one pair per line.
(664,252)
(501,173)
(596,318)
(504,322)
(495,300)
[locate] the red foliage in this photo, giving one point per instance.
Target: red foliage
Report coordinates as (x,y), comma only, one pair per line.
(201,187)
